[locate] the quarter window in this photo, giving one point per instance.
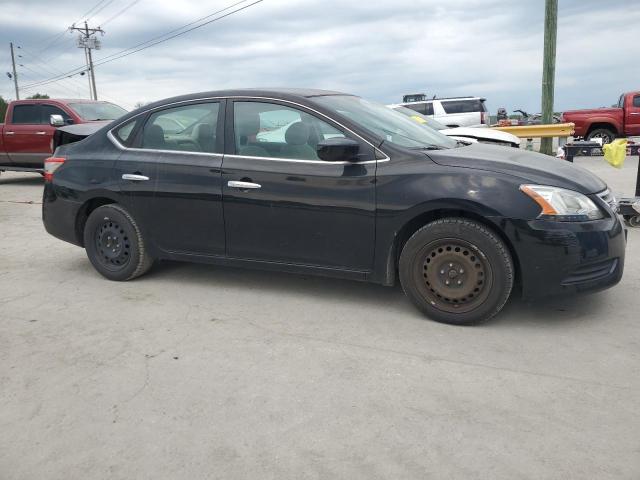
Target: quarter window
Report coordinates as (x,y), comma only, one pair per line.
(26,114)
(271,130)
(124,132)
(190,128)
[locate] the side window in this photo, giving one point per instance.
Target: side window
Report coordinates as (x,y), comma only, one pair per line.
(124,132)
(636,101)
(48,110)
(462,106)
(190,128)
(418,107)
(428,108)
(26,114)
(271,130)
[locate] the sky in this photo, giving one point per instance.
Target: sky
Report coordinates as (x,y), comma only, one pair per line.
(379,49)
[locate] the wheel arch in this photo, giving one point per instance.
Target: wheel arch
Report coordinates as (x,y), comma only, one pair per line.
(605,124)
(83,214)
(418,221)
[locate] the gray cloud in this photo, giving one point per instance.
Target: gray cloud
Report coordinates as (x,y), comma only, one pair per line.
(378,49)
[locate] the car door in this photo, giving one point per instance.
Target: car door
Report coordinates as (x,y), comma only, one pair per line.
(632,116)
(172,176)
(27,140)
(281,202)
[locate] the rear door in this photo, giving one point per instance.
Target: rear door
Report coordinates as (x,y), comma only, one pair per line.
(26,139)
(282,203)
(172,177)
(463,112)
(632,115)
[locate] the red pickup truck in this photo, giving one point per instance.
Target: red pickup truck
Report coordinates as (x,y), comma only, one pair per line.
(25,137)
(608,123)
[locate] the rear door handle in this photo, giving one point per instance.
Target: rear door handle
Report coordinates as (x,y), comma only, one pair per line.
(243,185)
(134,177)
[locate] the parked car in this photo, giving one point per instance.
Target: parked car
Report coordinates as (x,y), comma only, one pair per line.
(608,123)
(484,135)
(26,135)
(453,112)
(353,190)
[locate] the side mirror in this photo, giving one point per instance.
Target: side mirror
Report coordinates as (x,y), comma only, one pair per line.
(338,149)
(56,120)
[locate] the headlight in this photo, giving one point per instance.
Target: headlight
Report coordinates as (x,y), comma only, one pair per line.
(561,204)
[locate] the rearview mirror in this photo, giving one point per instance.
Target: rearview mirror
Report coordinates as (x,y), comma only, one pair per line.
(56,120)
(338,149)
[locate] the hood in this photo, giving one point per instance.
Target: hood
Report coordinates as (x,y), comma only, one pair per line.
(531,167)
(482,134)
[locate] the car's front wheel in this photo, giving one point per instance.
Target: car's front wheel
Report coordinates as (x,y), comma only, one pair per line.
(456,270)
(114,243)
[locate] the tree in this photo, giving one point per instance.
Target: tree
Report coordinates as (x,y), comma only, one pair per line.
(36,96)
(3,108)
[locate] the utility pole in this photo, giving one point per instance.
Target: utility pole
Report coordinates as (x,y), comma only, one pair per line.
(89,42)
(15,75)
(549,69)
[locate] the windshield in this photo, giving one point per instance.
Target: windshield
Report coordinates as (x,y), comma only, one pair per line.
(420,118)
(98,111)
(388,124)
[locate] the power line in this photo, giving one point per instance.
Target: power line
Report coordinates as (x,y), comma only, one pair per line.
(109,2)
(144,45)
(113,17)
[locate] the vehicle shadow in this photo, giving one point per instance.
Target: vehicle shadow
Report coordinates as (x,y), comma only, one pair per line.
(274,282)
(547,312)
(21,180)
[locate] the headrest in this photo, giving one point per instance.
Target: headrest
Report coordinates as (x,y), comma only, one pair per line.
(247,124)
(297,134)
(203,131)
(153,136)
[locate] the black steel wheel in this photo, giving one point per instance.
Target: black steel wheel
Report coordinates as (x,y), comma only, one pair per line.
(456,271)
(114,243)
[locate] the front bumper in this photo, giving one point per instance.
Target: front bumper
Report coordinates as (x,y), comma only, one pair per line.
(565,257)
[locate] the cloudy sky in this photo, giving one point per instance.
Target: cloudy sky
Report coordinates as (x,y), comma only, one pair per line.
(379,49)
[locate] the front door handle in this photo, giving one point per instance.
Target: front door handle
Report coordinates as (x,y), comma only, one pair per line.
(243,185)
(41,133)
(134,177)
(634,113)
(9,133)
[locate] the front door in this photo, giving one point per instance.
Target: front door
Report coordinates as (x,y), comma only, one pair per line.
(632,116)
(282,203)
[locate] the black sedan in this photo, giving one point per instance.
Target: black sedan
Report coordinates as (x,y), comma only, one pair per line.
(320,182)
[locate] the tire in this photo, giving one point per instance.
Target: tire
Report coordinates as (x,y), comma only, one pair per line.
(457,271)
(114,244)
(605,134)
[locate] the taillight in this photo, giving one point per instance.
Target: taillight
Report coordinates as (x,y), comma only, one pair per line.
(51,164)
(484,118)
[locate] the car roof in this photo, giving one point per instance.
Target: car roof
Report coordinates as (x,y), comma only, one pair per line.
(279,93)
(442,98)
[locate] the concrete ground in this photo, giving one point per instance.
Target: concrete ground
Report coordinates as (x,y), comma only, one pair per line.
(201,372)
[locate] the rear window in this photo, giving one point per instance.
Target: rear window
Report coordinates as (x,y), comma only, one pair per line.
(26,114)
(423,108)
(463,106)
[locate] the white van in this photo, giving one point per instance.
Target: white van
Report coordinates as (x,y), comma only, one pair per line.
(453,112)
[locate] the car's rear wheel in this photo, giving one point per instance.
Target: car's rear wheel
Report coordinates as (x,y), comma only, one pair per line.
(114,244)
(456,270)
(605,134)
